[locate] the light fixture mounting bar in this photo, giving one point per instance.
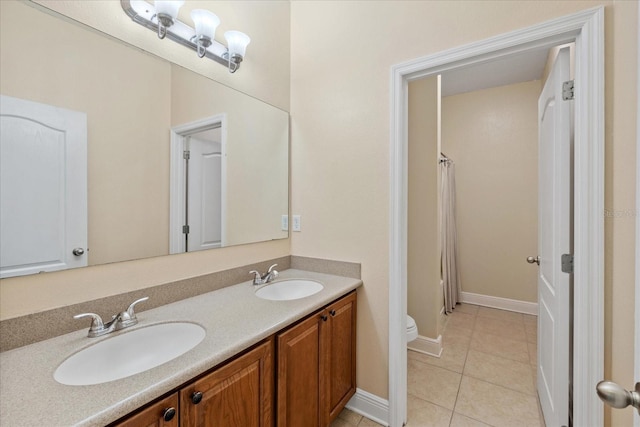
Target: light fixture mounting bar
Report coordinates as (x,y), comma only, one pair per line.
(144,13)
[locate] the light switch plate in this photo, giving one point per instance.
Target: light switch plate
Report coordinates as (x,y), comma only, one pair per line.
(284,223)
(296,223)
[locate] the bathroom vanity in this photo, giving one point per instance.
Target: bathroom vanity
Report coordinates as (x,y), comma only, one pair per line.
(261,362)
(315,376)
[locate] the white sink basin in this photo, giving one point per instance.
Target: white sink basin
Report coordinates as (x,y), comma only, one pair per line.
(129,353)
(286,290)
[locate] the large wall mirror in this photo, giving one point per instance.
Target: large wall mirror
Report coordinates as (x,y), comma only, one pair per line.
(167,150)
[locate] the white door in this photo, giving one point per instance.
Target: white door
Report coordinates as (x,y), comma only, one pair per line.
(43,187)
(554,240)
(205,191)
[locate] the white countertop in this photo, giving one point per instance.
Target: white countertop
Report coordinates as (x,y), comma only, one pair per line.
(233,317)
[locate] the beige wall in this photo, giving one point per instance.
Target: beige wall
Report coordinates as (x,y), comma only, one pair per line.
(424,298)
(340,138)
(264,74)
(492,136)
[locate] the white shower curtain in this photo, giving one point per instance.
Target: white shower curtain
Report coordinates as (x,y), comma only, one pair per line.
(449,238)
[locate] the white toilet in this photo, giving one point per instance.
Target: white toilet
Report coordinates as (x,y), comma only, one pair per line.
(412,329)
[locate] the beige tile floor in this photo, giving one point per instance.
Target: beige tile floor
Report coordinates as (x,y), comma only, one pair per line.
(484,377)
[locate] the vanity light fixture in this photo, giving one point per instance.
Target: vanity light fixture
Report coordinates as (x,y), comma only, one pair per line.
(166,14)
(237,42)
(206,24)
(162,19)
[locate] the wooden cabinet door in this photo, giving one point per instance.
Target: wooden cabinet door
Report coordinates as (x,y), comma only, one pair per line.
(239,394)
(160,414)
(338,353)
(298,374)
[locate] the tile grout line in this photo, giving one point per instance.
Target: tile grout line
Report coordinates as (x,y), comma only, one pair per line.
(503,358)
(474,333)
(464,364)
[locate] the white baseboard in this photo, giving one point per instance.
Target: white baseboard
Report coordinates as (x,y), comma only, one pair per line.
(371,406)
(426,345)
(501,303)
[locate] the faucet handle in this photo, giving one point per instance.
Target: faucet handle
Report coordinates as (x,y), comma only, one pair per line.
(257,277)
(130,311)
(96,323)
(271,268)
(128,317)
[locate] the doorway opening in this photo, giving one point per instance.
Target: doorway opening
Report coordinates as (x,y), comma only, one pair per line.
(586,30)
(198,185)
(488,184)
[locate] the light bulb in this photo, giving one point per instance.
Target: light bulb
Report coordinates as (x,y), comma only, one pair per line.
(169,7)
(206,23)
(237,43)
(166,13)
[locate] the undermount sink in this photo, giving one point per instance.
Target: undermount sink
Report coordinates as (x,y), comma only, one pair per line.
(286,290)
(129,353)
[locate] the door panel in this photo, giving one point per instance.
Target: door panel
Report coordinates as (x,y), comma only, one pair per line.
(239,394)
(554,239)
(299,374)
(339,353)
(205,193)
(43,187)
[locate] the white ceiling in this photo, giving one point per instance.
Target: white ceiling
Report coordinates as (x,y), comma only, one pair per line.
(512,69)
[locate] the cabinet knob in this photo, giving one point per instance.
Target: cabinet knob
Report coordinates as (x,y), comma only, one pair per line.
(324,317)
(169,413)
(196,397)
(332,313)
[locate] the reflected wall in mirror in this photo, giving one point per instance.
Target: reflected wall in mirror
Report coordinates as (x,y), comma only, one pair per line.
(132,101)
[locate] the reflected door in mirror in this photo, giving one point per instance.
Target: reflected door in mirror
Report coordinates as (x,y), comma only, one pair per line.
(43,187)
(204,206)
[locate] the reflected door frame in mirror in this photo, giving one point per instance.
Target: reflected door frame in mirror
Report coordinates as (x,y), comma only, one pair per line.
(179,176)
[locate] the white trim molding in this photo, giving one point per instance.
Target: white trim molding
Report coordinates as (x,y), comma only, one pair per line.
(586,28)
(636,415)
(371,406)
(501,303)
(426,345)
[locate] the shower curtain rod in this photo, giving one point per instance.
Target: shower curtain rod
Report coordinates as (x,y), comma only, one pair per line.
(444,158)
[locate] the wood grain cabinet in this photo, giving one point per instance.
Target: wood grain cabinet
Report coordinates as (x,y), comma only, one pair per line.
(163,413)
(316,374)
(237,394)
(338,350)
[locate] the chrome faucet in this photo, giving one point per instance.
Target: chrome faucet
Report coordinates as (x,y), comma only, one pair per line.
(259,279)
(119,321)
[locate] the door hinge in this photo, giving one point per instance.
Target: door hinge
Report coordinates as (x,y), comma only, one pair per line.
(567,90)
(567,263)
(186,154)
(185,229)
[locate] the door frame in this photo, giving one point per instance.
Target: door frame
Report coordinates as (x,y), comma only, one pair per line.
(586,29)
(177,178)
(636,416)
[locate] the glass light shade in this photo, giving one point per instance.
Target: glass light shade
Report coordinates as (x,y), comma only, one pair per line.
(205,22)
(237,42)
(169,7)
